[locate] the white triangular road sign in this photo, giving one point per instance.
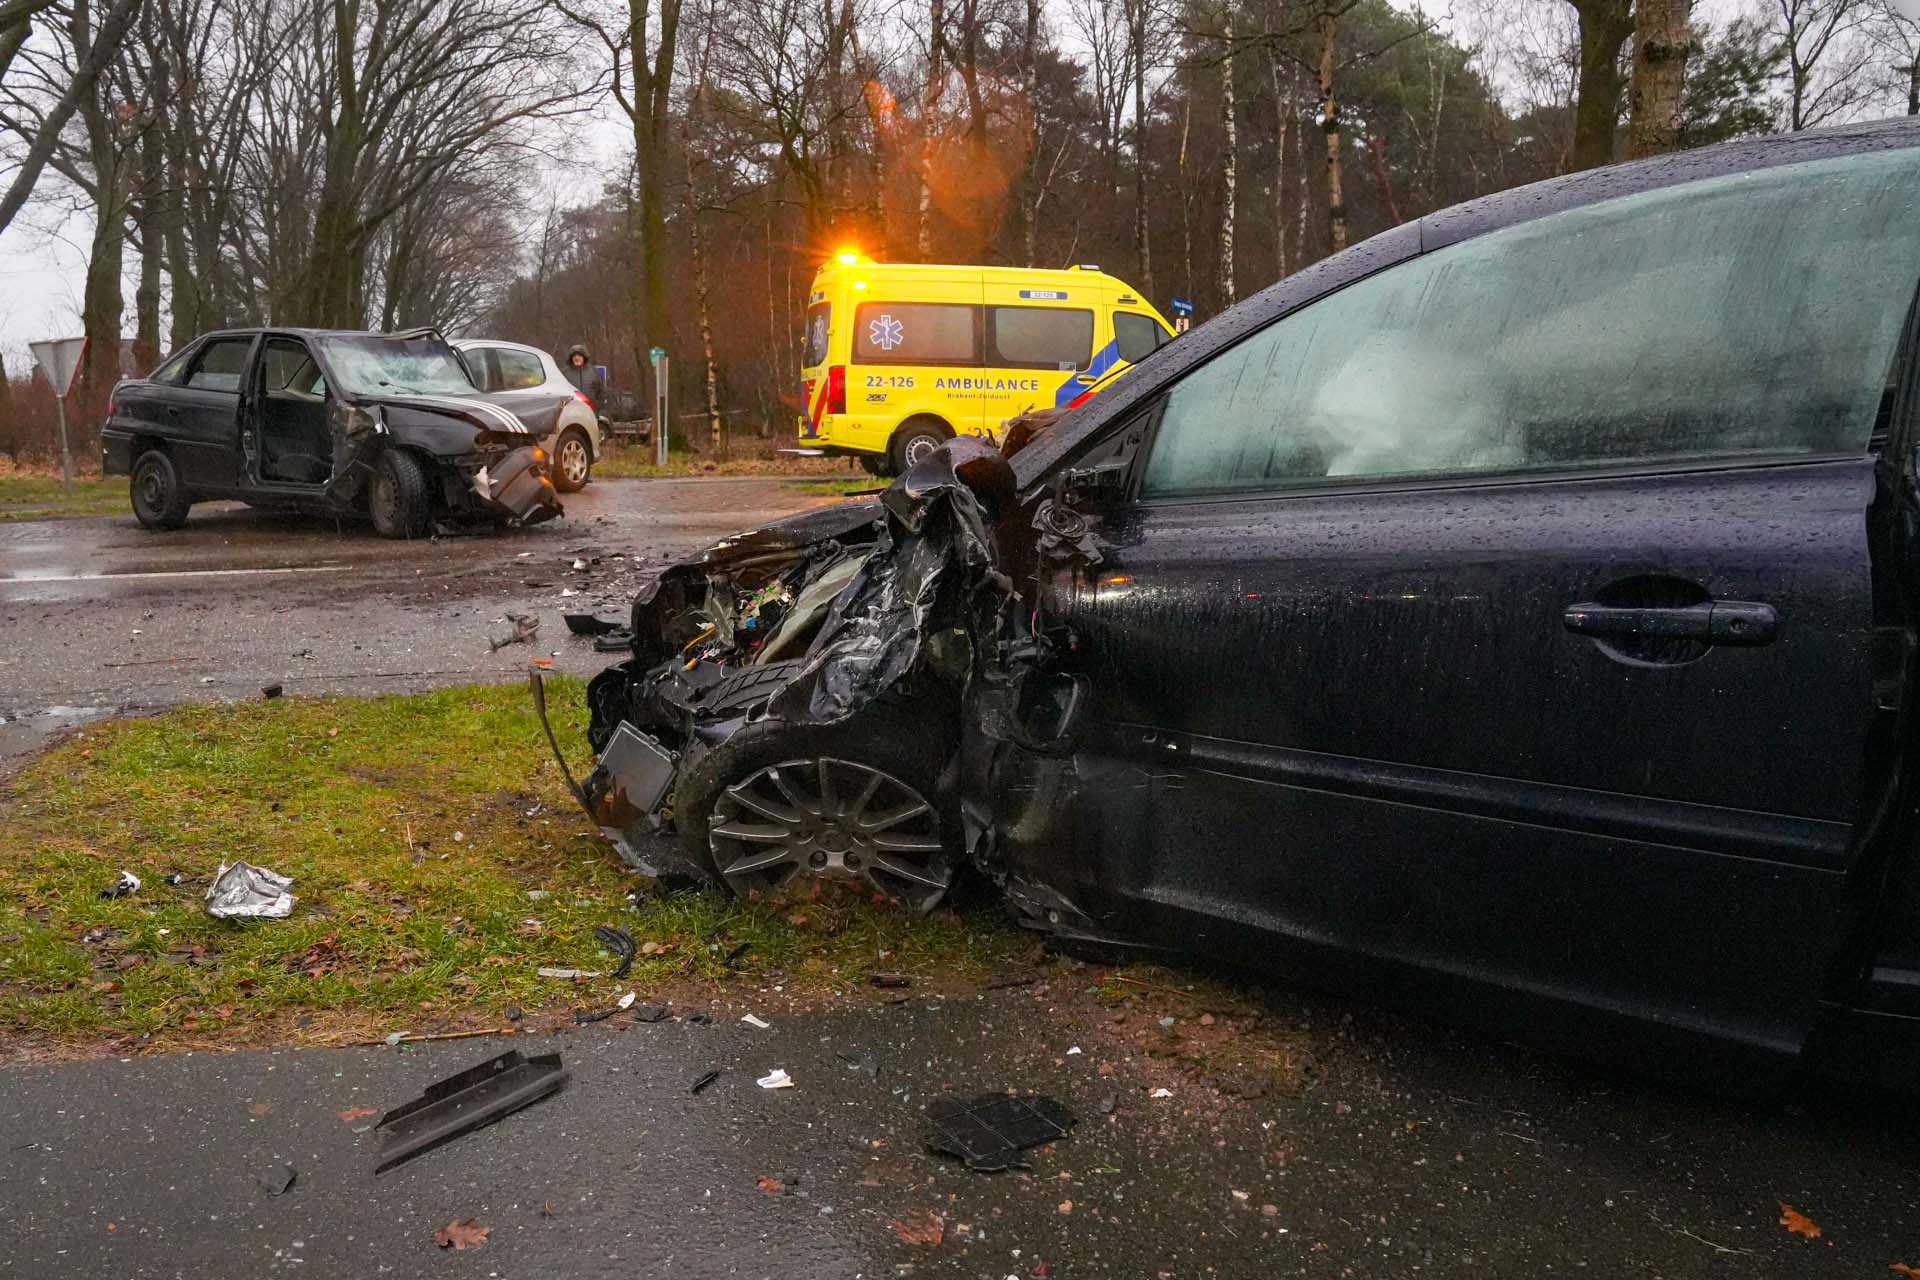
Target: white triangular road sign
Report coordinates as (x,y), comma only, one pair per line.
(58,358)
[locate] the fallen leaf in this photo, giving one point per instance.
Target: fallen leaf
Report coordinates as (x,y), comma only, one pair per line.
(1066,1206)
(772,1186)
(461,1235)
(919,1228)
(1797,1222)
(1905,1270)
(355,1113)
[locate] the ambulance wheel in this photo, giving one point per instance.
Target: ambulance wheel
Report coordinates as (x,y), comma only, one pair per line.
(917,438)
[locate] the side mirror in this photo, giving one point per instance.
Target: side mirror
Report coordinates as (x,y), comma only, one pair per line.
(1095,486)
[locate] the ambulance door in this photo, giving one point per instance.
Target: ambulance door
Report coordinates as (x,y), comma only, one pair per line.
(916,352)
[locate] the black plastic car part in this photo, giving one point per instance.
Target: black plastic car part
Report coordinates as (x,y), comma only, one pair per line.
(462,1103)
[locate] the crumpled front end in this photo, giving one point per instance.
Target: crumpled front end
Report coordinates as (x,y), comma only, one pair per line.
(887,605)
(516,488)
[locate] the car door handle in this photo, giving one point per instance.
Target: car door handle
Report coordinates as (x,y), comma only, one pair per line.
(1735,622)
(1087,379)
(173,411)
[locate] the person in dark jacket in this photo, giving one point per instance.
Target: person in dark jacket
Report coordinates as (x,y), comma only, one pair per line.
(582,373)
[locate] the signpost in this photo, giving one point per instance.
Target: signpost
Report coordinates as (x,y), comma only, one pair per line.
(58,358)
(660,419)
(1182,314)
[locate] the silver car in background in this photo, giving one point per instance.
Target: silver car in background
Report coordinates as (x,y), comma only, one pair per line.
(513,371)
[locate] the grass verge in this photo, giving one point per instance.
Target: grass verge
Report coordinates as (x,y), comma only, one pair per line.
(437,860)
(28,495)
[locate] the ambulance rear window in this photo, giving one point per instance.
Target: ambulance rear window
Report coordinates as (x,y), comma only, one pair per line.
(813,350)
(916,333)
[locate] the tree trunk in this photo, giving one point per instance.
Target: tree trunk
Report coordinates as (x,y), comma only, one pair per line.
(1913,84)
(1229,141)
(1283,105)
(1379,159)
(149,219)
(1604,28)
(1330,126)
(1186,199)
(1661,42)
(929,129)
(1143,254)
(1027,200)
(652,89)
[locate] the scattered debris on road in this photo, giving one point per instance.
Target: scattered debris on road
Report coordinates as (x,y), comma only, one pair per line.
(582,1017)
(242,890)
(775,1079)
(585,624)
(703,1081)
(771,1185)
(461,1235)
(889,980)
(525,627)
(926,1227)
(617,940)
(276,1178)
(462,1103)
(650,1013)
(123,887)
(989,1132)
(1797,1222)
(548,971)
(272,691)
(752,1021)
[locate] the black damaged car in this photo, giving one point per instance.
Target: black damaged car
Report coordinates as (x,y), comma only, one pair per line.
(1513,615)
(386,425)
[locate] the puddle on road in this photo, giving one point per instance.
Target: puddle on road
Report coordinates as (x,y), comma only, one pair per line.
(65,573)
(24,731)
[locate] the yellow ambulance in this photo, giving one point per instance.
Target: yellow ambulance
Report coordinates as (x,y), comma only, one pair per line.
(898,357)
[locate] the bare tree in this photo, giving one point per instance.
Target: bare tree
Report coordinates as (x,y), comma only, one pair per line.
(39,128)
(1827,58)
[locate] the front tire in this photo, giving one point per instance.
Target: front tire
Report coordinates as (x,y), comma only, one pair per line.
(857,806)
(572,461)
(877,464)
(917,438)
(160,500)
(397,499)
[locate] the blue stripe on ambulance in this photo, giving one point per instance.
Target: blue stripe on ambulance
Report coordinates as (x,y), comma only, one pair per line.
(1103,359)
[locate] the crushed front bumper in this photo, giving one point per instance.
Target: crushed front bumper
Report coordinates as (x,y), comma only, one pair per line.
(517,487)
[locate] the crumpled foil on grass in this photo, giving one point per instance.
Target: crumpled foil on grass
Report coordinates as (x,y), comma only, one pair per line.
(243,890)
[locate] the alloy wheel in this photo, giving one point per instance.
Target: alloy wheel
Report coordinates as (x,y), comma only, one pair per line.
(833,820)
(573,461)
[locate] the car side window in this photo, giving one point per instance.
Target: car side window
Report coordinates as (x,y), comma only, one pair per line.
(170,371)
(287,367)
(221,364)
(1135,337)
(518,370)
(1750,315)
(916,333)
(479,366)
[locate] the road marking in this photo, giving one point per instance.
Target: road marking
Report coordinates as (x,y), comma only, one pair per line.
(173,573)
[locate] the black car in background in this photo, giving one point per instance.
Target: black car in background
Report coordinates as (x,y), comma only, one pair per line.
(1513,615)
(382,424)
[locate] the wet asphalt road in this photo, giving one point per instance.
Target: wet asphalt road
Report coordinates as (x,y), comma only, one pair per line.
(1412,1153)
(1407,1151)
(99,616)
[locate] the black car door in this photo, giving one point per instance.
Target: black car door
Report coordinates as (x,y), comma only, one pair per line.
(1507,618)
(203,413)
